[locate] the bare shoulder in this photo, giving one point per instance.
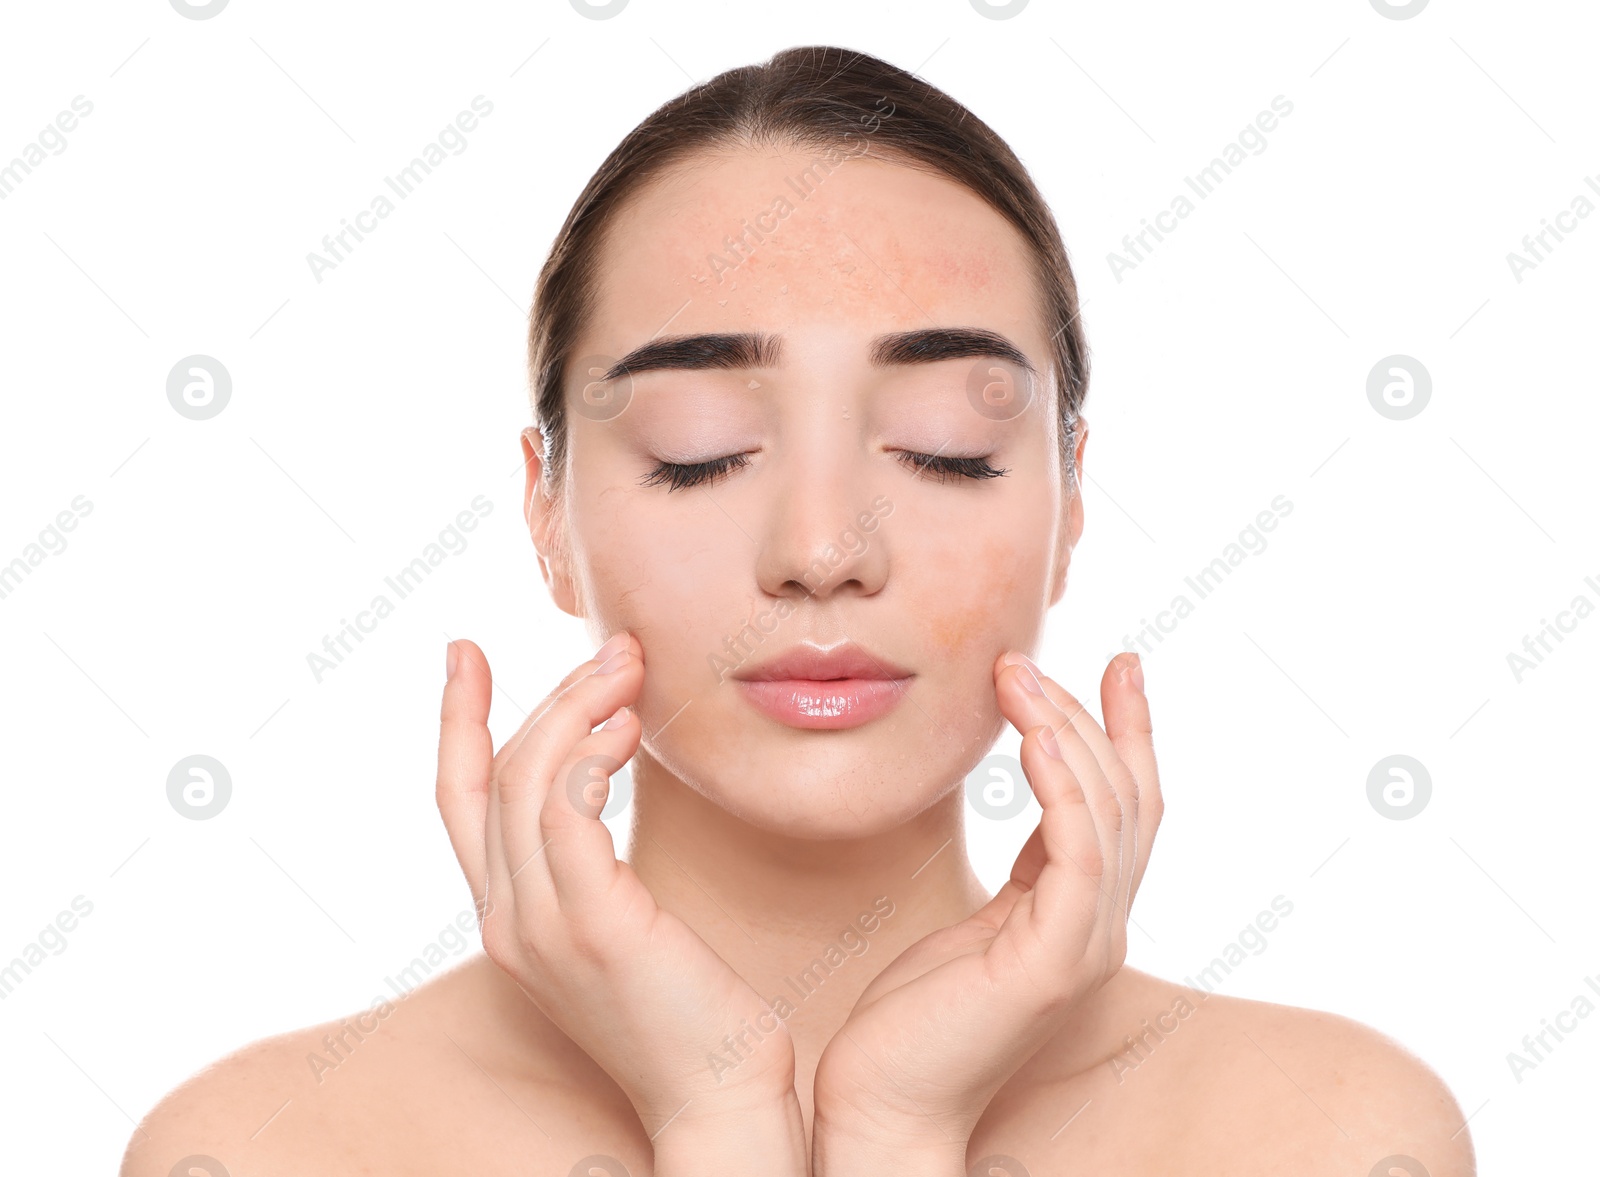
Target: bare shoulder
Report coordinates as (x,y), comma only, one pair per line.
(1161,1078)
(1277,1087)
(427,1085)
(205,1119)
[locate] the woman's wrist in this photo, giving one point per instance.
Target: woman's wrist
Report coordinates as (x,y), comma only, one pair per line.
(765,1141)
(858,1150)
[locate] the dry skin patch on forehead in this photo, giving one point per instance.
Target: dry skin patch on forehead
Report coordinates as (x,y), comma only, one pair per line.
(873,242)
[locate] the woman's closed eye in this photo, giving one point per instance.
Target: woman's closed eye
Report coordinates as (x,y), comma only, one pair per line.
(680,475)
(938,467)
(947,468)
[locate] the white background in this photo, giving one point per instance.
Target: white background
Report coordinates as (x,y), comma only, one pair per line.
(368,409)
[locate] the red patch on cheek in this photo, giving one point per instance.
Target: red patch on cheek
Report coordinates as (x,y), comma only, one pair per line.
(985,605)
(952,631)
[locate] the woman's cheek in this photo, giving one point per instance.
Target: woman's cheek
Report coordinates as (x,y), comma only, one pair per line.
(683,611)
(986,606)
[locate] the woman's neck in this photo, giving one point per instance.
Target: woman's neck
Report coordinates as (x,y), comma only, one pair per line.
(806,922)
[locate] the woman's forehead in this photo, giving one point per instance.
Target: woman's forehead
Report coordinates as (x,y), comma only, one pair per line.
(768,239)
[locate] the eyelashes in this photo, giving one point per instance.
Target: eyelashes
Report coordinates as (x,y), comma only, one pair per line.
(679,475)
(947,469)
(938,467)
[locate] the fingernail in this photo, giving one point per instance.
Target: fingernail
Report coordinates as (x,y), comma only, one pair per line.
(1047,741)
(613,663)
(1030,680)
(1136,673)
(617,641)
(449,661)
(617,720)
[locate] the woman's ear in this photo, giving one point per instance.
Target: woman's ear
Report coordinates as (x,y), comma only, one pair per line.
(545,526)
(1072,517)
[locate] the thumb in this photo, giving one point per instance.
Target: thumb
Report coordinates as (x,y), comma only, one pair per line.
(466,757)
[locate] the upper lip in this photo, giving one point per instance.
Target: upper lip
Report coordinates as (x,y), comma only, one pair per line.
(846,660)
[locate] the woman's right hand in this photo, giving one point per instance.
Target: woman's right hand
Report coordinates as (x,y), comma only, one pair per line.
(631,984)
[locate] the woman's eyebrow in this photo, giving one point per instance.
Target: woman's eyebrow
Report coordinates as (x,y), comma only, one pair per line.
(752,349)
(932,344)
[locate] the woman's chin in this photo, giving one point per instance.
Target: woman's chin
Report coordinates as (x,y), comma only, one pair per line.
(811,801)
(839,816)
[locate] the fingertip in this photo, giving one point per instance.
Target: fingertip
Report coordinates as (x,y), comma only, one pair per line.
(466,684)
(1125,670)
(1014,657)
(1127,708)
(470,657)
(1015,701)
(611,652)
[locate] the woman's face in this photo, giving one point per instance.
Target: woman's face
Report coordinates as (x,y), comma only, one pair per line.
(821,530)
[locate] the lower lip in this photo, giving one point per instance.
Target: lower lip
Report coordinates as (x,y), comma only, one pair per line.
(836,703)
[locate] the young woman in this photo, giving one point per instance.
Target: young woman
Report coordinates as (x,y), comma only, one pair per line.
(808,375)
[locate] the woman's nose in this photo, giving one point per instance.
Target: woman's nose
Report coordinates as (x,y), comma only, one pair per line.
(821,534)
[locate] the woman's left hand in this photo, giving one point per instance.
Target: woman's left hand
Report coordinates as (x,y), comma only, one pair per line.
(940,1030)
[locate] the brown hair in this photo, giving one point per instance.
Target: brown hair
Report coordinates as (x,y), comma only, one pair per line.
(814,96)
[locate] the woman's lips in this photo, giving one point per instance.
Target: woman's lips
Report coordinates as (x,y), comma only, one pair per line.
(831,703)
